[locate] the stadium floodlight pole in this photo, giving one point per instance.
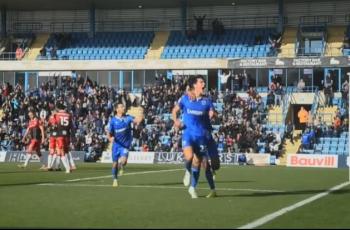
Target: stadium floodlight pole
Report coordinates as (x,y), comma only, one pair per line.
(348,158)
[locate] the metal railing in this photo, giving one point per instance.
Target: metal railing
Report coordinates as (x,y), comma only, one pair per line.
(307,89)
(8,56)
(325,117)
(69,27)
(146,25)
(316,19)
(229,22)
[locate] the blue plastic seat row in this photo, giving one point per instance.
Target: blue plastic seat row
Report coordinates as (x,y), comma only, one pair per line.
(105,45)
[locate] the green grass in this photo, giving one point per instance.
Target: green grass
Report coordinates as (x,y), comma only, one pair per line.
(95,204)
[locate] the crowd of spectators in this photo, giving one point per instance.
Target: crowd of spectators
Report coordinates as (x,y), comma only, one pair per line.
(238,126)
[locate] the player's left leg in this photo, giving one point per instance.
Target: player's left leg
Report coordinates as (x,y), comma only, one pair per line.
(188,156)
(123,160)
(69,155)
(209,176)
(115,159)
(213,156)
(195,171)
(29,152)
(39,154)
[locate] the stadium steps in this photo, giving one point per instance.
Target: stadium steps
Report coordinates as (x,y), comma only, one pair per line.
(158,44)
(289,148)
(37,45)
(288,42)
(335,40)
(275,115)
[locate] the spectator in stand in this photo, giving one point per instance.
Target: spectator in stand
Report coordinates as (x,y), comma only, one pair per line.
(245,81)
(337,126)
(19,53)
(328,90)
(345,94)
(289,131)
(301,85)
(223,77)
(275,43)
(199,21)
(303,116)
(306,140)
(270,99)
(218,27)
(279,95)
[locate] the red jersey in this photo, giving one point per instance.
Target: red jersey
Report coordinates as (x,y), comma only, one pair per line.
(53,126)
(64,123)
(34,128)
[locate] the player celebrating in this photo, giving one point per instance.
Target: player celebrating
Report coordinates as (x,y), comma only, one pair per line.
(212,151)
(52,126)
(119,129)
(64,126)
(195,138)
(36,132)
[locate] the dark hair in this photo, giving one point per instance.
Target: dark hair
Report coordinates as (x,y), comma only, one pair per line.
(60,105)
(193,80)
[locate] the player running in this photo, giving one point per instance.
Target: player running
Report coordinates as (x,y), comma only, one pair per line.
(35,131)
(119,129)
(195,138)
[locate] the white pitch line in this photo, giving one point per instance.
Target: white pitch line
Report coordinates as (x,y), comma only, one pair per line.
(285,210)
(158,186)
(126,174)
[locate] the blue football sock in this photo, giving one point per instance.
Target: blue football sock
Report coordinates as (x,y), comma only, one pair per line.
(209,176)
(115,173)
(195,177)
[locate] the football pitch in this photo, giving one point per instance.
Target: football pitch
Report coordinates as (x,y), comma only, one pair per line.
(153,196)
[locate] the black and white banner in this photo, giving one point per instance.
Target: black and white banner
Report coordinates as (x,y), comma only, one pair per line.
(20,156)
(274,62)
(177,158)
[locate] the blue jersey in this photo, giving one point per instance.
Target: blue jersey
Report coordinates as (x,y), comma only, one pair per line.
(196,115)
(120,128)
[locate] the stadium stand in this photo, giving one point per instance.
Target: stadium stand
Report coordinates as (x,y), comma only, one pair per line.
(105,45)
(233,43)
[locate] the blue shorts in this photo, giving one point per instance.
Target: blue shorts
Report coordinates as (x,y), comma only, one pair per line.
(119,151)
(199,144)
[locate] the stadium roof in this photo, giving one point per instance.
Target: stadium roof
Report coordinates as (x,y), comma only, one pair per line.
(121,4)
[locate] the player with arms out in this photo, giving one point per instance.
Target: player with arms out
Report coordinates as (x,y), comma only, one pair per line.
(64,127)
(36,132)
(119,130)
(195,138)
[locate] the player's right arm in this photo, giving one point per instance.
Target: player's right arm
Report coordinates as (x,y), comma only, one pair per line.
(177,122)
